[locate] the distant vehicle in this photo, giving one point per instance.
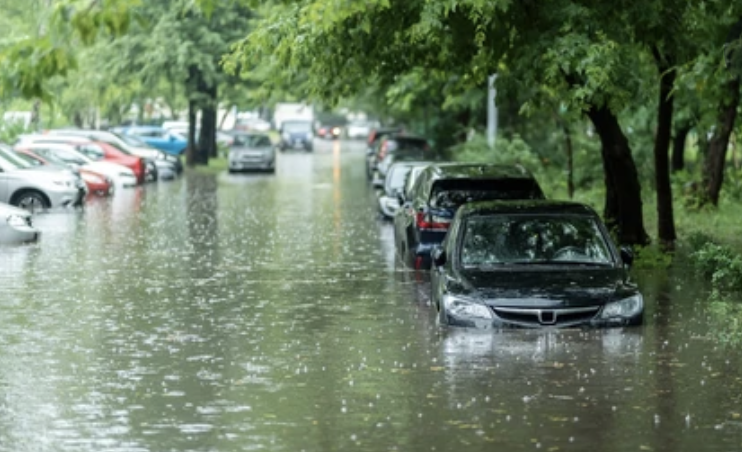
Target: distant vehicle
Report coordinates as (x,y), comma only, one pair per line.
(394,186)
(223,139)
(98,184)
(378,157)
(170,125)
(538,264)
(296,135)
(284,112)
(120,174)
(16,225)
(360,129)
(165,140)
(440,190)
(37,188)
(252,151)
(329,132)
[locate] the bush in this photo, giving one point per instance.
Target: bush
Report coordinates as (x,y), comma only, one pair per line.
(506,152)
(721,265)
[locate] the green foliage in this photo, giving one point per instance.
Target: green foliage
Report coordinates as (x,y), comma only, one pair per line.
(651,257)
(513,151)
(720,264)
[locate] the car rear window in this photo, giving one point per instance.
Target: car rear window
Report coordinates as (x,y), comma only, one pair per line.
(455,192)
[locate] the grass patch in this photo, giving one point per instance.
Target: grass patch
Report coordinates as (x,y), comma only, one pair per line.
(216,165)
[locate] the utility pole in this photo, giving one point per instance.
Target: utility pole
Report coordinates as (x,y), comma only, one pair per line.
(491,111)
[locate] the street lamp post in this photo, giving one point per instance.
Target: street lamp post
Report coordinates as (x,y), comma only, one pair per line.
(491,111)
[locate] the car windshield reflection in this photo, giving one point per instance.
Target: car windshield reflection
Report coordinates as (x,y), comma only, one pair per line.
(504,240)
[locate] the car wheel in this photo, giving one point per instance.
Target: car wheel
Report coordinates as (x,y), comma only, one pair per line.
(31,200)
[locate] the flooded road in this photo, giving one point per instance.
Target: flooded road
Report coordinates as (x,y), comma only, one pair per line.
(265,312)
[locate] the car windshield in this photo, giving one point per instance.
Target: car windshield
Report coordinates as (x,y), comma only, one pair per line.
(71,157)
(11,160)
(252,141)
(28,159)
(132,140)
(498,240)
(295,127)
(92,151)
(454,192)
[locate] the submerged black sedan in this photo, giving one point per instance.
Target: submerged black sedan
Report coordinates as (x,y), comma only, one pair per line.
(532,264)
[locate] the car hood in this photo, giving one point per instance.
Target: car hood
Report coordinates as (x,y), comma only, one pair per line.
(108,168)
(545,288)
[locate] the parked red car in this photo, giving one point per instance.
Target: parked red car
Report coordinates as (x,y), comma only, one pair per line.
(97,183)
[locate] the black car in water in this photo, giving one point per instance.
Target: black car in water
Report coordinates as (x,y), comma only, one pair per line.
(296,135)
(440,189)
(532,264)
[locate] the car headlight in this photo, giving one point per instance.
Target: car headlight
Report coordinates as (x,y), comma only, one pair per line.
(462,307)
(628,307)
(16,221)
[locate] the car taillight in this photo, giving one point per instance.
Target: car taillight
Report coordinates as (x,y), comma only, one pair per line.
(434,223)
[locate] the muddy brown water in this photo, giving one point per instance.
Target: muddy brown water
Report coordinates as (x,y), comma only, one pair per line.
(259,312)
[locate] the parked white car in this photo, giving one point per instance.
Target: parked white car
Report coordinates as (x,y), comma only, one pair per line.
(16,225)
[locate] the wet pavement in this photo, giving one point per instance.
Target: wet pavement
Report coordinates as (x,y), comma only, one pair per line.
(265,312)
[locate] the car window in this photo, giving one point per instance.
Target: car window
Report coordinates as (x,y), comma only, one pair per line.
(452,193)
(252,141)
(523,239)
(28,159)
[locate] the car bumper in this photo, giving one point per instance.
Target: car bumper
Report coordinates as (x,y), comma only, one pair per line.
(534,320)
(422,258)
(242,165)
(18,234)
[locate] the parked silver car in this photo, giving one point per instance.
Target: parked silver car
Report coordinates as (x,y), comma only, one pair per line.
(37,187)
(252,151)
(394,184)
(16,225)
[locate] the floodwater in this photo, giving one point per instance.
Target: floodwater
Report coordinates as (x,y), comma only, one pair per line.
(265,312)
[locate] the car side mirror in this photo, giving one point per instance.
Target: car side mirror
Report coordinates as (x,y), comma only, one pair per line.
(439,256)
(627,256)
(400,198)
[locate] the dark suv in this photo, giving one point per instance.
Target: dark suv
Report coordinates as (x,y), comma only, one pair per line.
(424,217)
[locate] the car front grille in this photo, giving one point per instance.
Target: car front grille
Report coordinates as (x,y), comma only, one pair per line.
(559,317)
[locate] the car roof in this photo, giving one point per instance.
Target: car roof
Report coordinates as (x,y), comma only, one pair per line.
(455,170)
(535,206)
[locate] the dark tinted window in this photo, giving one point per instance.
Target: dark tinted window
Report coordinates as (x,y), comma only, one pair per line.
(519,239)
(252,141)
(452,193)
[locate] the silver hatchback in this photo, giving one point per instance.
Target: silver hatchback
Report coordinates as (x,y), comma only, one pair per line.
(252,151)
(37,188)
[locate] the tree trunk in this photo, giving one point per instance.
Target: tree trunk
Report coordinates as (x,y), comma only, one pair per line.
(570,153)
(207,135)
(224,117)
(713,168)
(623,204)
(193,156)
(665,219)
(678,146)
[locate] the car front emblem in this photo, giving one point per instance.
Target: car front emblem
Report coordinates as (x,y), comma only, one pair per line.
(547,317)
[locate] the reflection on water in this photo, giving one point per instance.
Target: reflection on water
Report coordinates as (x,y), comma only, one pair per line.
(267,312)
